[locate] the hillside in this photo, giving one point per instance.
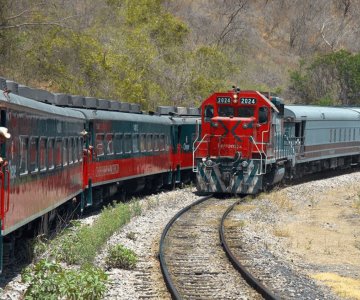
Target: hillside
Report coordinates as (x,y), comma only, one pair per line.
(178,52)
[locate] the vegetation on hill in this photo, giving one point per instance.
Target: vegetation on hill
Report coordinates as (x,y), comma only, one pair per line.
(177,52)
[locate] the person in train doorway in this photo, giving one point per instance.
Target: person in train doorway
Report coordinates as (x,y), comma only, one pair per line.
(4,135)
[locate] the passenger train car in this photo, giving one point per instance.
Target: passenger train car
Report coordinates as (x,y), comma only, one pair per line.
(250,140)
(59,150)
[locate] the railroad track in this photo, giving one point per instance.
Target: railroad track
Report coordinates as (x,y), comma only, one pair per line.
(260,267)
(193,262)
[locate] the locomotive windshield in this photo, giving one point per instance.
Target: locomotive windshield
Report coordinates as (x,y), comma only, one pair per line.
(226,111)
(246,112)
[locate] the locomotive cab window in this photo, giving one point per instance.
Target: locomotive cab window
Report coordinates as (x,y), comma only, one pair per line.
(246,112)
(263,115)
(226,111)
(208,113)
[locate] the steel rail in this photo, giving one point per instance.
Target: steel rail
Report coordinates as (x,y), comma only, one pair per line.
(164,269)
(250,279)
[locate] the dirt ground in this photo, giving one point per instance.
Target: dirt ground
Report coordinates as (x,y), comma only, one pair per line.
(320,230)
(327,232)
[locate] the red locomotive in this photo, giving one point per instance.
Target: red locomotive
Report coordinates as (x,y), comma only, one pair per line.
(237,143)
(250,141)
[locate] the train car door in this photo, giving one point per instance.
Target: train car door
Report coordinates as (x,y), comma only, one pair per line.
(4,179)
(88,153)
(176,133)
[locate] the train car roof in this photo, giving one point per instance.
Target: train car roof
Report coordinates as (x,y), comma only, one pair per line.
(317,113)
(30,104)
(91,114)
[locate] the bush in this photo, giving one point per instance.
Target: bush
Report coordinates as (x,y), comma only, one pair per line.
(48,280)
(121,257)
(82,245)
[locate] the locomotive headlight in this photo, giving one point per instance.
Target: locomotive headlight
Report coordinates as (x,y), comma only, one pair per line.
(244,164)
(203,159)
(235,98)
(209,163)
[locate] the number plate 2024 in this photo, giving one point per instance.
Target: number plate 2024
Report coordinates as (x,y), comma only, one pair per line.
(223,100)
(247,101)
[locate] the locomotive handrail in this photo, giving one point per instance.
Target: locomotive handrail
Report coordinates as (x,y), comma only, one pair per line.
(194,169)
(261,158)
(195,149)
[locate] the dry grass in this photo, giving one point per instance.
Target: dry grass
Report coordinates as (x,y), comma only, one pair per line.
(281,232)
(343,286)
(231,223)
(279,198)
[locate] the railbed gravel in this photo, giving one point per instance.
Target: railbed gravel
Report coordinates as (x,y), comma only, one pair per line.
(146,282)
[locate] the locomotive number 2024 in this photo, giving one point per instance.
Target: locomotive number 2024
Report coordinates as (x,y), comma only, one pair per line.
(223,100)
(247,100)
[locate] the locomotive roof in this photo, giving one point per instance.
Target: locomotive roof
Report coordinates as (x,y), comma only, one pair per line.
(31,104)
(314,113)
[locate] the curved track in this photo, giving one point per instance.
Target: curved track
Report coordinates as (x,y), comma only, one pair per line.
(193,263)
(250,279)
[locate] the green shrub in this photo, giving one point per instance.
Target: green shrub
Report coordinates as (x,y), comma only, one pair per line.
(48,280)
(121,257)
(81,246)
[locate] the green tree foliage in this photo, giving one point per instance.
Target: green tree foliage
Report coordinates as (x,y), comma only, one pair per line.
(333,76)
(133,51)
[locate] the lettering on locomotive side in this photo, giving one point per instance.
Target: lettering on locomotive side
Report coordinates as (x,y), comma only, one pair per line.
(248,101)
(106,170)
(230,146)
(223,100)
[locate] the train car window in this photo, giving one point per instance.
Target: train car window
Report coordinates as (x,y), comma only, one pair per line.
(349,134)
(246,112)
(24,144)
(80,148)
(118,143)
(50,154)
(135,143)
(127,143)
(156,142)
(331,135)
(71,151)
(99,142)
(208,113)
(354,134)
(335,135)
(58,148)
(76,150)
(149,142)
(34,164)
(143,142)
(42,154)
(65,154)
(162,142)
(109,146)
(226,111)
(263,115)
